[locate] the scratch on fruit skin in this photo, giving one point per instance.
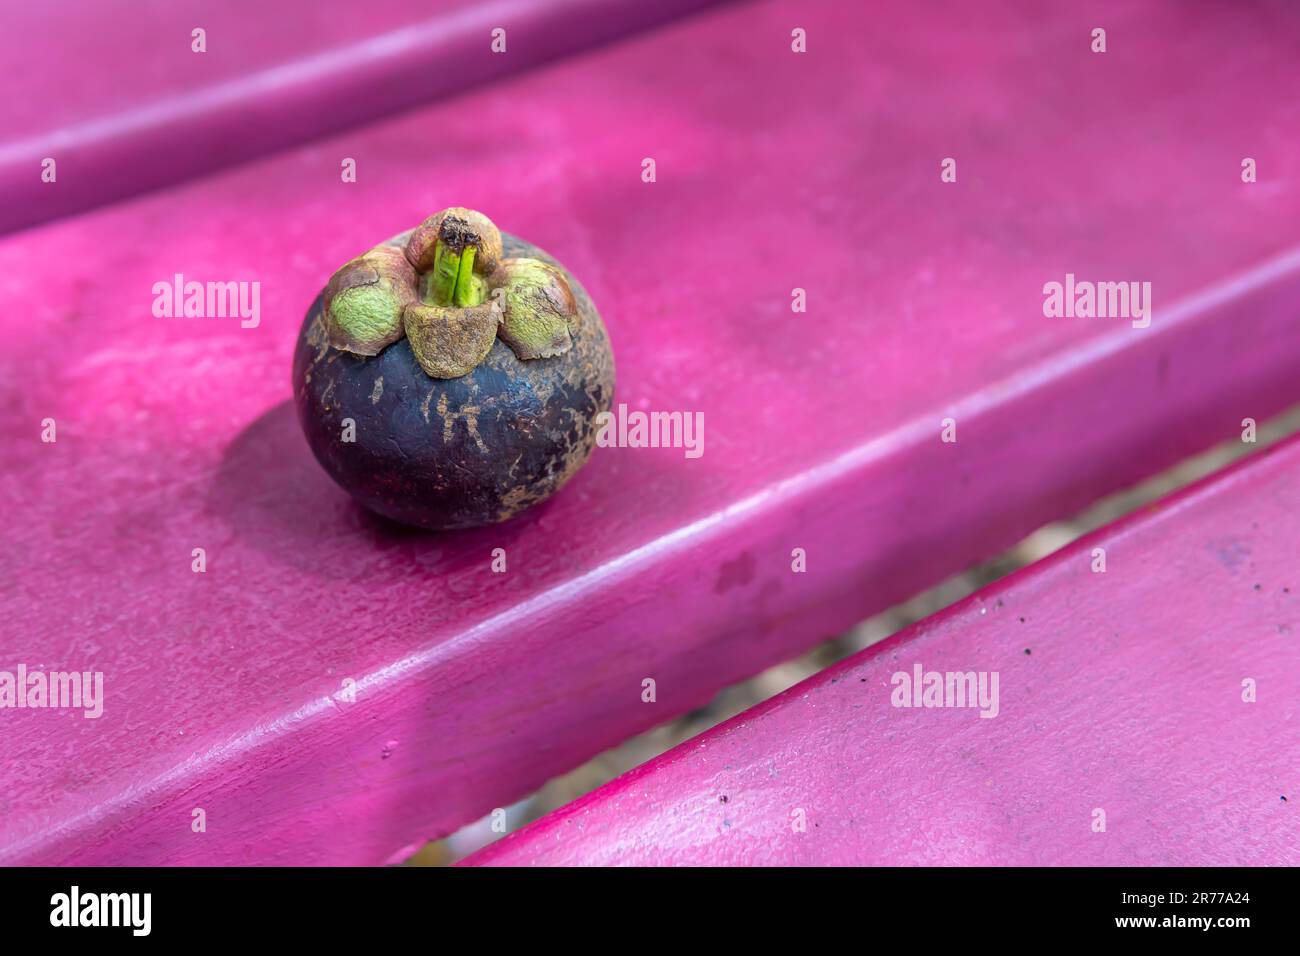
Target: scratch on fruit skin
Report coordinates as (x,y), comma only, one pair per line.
(446,422)
(469,413)
(471,422)
(378,391)
(317,337)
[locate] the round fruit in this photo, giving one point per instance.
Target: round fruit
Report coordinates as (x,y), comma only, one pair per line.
(495,432)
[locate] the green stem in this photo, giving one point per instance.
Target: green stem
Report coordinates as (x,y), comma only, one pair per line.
(464,294)
(451,281)
(442,280)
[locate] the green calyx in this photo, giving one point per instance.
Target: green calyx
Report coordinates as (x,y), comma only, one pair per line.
(365,299)
(536,308)
(365,316)
(450,292)
(447,341)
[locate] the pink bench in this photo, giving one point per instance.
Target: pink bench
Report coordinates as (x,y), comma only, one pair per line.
(122,102)
(331,690)
(1141,716)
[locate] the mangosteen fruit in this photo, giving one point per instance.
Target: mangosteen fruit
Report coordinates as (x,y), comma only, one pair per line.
(452,376)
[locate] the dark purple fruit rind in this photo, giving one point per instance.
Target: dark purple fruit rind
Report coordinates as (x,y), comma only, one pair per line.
(461,452)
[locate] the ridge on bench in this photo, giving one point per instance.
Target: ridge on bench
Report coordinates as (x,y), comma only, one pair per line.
(1140,716)
(126,103)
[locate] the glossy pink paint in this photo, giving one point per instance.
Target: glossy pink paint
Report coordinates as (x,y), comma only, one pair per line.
(228,690)
(1121,692)
(121,101)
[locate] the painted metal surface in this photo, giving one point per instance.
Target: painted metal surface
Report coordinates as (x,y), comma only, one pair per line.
(334,690)
(1145,715)
(121,100)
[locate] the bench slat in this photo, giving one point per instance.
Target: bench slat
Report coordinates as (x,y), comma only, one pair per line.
(1120,691)
(822,429)
(117,97)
